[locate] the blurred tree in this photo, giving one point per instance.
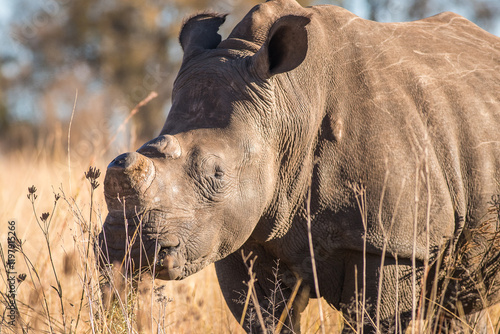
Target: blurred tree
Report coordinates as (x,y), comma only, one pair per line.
(115,46)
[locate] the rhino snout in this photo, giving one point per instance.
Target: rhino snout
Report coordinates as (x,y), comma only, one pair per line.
(128,175)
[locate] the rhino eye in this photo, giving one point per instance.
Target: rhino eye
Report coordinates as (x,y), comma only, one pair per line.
(209,175)
(219,173)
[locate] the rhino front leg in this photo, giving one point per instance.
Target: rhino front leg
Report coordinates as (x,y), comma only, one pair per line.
(272,294)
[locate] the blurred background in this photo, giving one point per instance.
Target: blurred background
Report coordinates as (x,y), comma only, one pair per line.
(114,53)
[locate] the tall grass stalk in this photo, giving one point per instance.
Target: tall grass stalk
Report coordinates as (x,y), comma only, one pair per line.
(152,95)
(427,229)
(91,175)
(69,138)
(44,225)
(360,194)
(386,236)
(313,262)
(288,306)
(249,263)
(32,269)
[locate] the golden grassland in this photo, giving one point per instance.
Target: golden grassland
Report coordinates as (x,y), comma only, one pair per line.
(194,305)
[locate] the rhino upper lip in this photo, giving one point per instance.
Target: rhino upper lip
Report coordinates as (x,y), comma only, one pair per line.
(169,263)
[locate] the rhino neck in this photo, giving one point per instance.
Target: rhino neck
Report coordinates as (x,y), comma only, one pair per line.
(295,128)
(298,118)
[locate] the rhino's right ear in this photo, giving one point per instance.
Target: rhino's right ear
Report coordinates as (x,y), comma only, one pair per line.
(285,47)
(200,32)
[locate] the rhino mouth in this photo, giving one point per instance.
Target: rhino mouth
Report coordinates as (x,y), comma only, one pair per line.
(169,260)
(168,266)
(144,247)
(172,264)
(147,256)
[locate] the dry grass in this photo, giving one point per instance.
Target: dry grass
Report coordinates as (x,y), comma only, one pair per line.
(197,305)
(194,305)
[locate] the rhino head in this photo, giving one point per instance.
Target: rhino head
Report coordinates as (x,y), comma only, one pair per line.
(196,193)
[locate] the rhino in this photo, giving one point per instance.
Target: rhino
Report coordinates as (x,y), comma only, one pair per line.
(379,143)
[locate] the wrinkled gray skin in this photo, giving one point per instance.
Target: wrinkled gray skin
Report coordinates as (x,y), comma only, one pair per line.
(298,97)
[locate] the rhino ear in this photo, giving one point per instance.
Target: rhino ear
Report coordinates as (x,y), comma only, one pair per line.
(285,47)
(200,32)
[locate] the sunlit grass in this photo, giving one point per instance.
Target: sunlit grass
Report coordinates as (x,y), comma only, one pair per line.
(194,305)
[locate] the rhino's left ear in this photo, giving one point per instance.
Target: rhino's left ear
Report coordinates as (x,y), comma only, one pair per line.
(285,47)
(200,32)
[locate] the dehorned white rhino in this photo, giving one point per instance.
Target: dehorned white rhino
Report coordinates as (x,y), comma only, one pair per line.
(384,136)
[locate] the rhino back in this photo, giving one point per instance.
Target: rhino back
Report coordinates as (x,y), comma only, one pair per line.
(409,110)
